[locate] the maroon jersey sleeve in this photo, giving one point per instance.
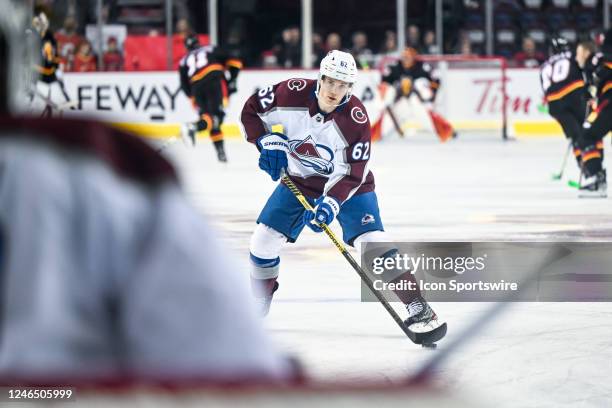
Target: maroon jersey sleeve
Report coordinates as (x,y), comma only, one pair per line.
(260,110)
(355,127)
(260,102)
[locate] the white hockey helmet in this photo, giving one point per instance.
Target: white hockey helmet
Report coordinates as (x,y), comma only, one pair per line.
(338,65)
(40,23)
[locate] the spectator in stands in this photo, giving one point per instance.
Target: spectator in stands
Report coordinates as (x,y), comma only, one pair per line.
(289,53)
(268,59)
(388,50)
(429,43)
(465,47)
(236,45)
(182,28)
(318,49)
(529,56)
(333,42)
(389,46)
(85,59)
(67,42)
(360,51)
(113,58)
(413,37)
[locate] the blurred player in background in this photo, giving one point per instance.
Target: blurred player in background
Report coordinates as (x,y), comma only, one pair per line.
(412,79)
(325,150)
(594,183)
(50,85)
(101,275)
(565,91)
(204,79)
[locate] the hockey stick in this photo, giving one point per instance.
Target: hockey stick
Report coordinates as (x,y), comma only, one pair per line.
(364,277)
(557,176)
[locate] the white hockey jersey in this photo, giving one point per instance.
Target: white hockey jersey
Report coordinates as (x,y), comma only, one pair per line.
(328,153)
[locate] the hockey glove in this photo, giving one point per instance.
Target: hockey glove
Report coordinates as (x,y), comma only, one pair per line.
(325,210)
(273,149)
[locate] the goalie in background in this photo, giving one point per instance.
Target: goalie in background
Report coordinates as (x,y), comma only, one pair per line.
(208,76)
(412,79)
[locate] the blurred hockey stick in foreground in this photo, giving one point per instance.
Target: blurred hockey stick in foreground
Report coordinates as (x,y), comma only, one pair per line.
(424,374)
(364,277)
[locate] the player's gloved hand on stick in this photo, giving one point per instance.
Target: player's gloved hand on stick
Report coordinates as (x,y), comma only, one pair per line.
(326,208)
(273,149)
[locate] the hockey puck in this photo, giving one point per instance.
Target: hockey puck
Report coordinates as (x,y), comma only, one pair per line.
(431,345)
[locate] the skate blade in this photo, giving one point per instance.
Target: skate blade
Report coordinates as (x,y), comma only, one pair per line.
(418,335)
(593,194)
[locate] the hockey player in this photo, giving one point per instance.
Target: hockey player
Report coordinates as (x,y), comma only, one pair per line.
(594,182)
(49,81)
(101,276)
(412,79)
(565,91)
(203,79)
(325,149)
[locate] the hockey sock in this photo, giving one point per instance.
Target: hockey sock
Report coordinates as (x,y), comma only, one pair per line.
(578,156)
(263,287)
(264,273)
(217,138)
(591,160)
(204,123)
(405,282)
(600,149)
(406,295)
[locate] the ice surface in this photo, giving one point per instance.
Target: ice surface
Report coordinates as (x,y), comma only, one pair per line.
(535,354)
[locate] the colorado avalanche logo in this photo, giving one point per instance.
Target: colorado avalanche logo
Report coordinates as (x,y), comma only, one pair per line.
(358,115)
(316,156)
(367,219)
(296,84)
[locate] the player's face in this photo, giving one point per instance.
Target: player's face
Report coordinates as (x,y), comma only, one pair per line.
(332,91)
(407,59)
(582,54)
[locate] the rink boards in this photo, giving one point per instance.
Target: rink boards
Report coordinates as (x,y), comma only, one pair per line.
(151,103)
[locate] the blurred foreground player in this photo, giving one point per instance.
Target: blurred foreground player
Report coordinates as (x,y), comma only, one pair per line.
(412,79)
(325,150)
(565,91)
(100,273)
(594,183)
(203,79)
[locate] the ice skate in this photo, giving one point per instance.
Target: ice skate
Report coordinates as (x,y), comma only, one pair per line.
(423,323)
(188,134)
(220,153)
(594,187)
(263,302)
